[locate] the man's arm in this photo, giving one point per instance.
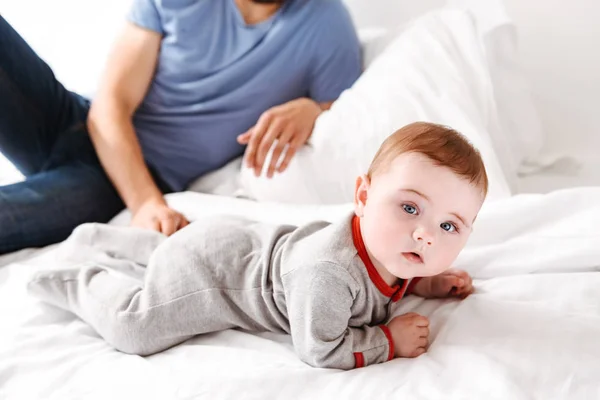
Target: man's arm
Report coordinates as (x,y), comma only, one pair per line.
(289,124)
(128,75)
(335,66)
(326,106)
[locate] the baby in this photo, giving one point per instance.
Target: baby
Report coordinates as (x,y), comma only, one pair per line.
(331,286)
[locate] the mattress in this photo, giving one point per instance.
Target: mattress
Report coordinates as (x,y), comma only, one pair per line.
(530,331)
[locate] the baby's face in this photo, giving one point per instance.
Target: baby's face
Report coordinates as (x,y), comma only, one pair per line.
(415,217)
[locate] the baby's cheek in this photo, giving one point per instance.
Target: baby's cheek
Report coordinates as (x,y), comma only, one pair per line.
(385,247)
(445,258)
(439,267)
(382,234)
(450,256)
(376,242)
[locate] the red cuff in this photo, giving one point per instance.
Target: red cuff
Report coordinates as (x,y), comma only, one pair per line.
(412,284)
(359,360)
(388,334)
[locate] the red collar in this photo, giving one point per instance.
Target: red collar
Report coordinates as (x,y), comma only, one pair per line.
(395,292)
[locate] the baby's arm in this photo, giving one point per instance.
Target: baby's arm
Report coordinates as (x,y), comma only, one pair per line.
(450,283)
(410,334)
(319,301)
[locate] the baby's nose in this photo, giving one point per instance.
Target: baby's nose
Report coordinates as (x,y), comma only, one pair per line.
(423,236)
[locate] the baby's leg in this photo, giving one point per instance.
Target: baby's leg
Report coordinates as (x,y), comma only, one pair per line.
(173,304)
(127,243)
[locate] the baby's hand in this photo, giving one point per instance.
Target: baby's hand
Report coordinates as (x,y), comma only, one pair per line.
(410,333)
(451,283)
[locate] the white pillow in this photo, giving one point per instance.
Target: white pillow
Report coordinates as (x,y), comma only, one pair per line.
(374,41)
(434,71)
(519,138)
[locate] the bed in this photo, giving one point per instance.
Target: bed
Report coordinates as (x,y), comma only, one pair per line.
(529,332)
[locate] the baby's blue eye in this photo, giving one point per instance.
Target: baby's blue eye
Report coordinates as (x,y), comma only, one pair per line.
(409,209)
(448,227)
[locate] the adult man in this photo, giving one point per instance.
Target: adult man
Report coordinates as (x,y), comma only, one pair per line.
(188,83)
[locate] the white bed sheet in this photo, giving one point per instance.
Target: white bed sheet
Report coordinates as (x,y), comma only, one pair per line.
(530,331)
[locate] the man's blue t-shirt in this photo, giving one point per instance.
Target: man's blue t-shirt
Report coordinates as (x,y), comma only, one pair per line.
(216,75)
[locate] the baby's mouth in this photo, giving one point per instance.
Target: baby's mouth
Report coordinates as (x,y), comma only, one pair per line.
(413,257)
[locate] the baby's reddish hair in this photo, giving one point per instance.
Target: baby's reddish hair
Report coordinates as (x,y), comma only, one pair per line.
(442,145)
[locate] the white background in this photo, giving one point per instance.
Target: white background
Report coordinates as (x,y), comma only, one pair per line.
(559,44)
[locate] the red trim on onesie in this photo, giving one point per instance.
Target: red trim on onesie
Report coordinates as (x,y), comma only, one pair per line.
(359,359)
(388,334)
(395,292)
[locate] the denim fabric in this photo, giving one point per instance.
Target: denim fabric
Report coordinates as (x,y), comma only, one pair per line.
(43,132)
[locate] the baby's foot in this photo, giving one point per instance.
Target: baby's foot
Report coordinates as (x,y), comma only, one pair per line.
(53,286)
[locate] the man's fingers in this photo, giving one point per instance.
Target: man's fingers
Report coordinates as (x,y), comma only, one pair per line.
(184,222)
(168,225)
(265,145)
(153,225)
(258,132)
(282,142)
(422,321)
(423,342)
(289,154)
(244,138)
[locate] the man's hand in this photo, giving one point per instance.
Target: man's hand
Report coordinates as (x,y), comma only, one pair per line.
(291,124)
(410,333)
(451,283)
(155,214)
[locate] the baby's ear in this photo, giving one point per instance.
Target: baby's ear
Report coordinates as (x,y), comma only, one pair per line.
(361,190)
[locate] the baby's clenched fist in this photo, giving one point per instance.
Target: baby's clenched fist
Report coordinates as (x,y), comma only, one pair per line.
(410,333)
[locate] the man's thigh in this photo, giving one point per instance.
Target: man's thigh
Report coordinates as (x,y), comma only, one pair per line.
(46,207)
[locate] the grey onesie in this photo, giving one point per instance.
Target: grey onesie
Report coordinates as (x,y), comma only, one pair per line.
(146,292)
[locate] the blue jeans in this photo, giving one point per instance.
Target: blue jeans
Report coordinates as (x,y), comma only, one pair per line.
(43,132)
